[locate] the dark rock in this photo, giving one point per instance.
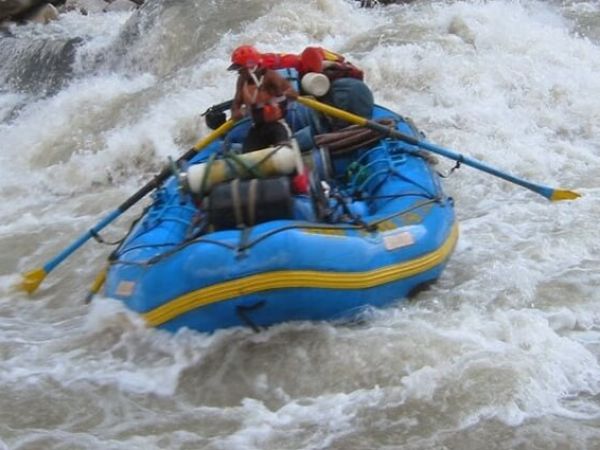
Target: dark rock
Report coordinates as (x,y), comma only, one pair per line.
(372,3)
(13,8)
(40,14)
(41,66)
(44,10)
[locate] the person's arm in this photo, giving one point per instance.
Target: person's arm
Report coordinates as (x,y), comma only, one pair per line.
(238,100)
(279,85)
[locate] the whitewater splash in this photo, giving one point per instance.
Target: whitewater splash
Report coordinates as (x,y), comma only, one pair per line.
(505,345)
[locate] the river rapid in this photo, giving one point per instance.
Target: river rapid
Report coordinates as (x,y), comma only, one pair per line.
(502,353)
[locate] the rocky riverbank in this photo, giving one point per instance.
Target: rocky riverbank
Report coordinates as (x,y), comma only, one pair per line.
(44,11)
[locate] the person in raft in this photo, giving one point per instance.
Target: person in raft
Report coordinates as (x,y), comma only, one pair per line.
(262,93)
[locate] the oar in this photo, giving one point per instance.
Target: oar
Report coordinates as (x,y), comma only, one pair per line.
(32,279)
(545,191)
(97,284)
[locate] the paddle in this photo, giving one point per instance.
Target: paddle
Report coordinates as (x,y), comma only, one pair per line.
(545,191)
(32,279)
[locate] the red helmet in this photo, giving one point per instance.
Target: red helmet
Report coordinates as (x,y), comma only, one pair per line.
(244,56)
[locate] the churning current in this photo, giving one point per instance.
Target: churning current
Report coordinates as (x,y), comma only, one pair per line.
(501,353)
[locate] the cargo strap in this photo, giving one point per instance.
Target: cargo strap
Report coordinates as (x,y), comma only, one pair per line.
(237,204)
(243,310)
(240,220)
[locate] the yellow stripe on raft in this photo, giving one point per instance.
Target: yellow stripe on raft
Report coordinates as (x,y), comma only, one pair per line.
(287,279)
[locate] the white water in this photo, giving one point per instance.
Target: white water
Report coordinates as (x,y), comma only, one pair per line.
(502,353)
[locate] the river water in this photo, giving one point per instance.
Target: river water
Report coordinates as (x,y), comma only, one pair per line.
(502,353)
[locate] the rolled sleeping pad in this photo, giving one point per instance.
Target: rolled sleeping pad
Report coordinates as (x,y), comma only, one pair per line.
(283,159)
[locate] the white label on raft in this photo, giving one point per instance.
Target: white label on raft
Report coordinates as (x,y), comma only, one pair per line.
(125,288)
(398,239)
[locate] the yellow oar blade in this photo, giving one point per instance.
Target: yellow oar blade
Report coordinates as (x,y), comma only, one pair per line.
(31,280)
(96,285)
(564,194)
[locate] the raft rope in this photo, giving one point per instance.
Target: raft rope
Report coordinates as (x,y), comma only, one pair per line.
(356,222)
(456,167)
(98,238)
(369,226)
(158,214)
(253,169)
(391,168)
(103,241)
(209,165)
(233,160)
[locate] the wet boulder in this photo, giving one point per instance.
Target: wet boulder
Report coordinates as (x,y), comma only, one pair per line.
(14,8)
(29,10)
(43,13)
(40,66)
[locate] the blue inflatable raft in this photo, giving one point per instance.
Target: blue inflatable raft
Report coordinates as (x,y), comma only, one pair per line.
(233,239)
